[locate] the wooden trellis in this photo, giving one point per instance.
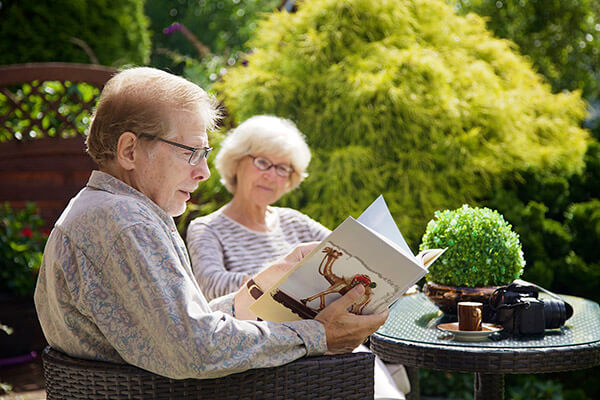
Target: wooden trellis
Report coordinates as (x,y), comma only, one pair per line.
(44,111)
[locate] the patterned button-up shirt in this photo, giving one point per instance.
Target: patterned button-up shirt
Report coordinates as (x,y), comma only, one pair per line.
(116,285)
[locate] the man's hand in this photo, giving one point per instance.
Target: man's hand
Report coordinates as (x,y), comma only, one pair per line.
(344,330)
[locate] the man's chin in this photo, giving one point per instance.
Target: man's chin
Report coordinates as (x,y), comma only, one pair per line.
(176,212)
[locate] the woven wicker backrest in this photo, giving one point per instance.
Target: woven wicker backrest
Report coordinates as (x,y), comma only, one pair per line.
(347,376)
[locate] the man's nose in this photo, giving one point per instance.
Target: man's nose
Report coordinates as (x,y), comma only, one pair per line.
(201,172)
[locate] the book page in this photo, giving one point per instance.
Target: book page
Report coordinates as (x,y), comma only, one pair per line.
(378,217)
(351,253)
(427,257)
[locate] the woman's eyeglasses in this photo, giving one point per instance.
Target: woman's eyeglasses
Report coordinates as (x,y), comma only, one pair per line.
(198,153)
(263,164)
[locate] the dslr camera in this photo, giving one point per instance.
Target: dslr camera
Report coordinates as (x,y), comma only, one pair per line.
(519,310)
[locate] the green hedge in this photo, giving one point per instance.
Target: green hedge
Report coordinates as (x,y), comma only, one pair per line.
(38,31)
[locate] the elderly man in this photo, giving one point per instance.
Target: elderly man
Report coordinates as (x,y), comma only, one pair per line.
(116,283)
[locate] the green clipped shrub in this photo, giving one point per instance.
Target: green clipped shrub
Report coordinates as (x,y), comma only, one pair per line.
(404,98)
(482,248)
(36,31)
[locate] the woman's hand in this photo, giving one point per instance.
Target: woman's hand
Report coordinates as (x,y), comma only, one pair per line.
(268,277)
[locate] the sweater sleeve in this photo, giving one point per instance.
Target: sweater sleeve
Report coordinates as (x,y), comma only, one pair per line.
(206,254)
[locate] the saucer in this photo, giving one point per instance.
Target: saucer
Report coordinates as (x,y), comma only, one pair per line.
(469,336)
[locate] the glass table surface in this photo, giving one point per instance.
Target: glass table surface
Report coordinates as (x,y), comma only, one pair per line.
(413,318)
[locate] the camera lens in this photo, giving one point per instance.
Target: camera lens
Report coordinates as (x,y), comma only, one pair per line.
(556,312)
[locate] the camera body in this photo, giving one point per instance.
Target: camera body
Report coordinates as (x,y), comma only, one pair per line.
(520,311)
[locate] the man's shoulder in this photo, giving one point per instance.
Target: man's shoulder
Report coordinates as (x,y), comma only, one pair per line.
(97,208)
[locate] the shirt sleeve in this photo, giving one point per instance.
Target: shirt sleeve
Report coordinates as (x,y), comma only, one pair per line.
(206,253)
(151,311)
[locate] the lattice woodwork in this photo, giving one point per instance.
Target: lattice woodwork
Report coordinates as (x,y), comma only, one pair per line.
(52,102)
(48,99)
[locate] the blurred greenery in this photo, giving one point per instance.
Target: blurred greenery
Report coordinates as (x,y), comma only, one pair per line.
(405,99)
(22,241)
(562,38)
(113,31)
(223,26)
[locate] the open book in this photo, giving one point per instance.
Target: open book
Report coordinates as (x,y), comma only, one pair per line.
(367,251)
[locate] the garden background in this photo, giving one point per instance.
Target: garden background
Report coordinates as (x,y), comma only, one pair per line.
(433,103)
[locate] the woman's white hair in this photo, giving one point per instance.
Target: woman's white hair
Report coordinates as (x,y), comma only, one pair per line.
(265,135)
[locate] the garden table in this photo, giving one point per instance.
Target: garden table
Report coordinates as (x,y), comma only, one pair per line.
(410,336)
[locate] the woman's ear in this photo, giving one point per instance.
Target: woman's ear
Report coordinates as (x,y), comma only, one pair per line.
(126,147)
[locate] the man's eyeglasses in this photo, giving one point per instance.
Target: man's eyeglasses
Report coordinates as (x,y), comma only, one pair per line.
(283,170)
(197,152)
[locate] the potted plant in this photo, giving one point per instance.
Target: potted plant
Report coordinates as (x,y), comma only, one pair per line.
(22,241)
(483,252)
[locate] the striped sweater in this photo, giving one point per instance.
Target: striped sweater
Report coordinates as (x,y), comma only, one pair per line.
(223,251)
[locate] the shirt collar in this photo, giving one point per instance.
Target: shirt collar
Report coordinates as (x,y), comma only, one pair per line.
(102,181)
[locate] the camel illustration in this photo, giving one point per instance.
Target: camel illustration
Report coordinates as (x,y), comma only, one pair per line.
(341,284)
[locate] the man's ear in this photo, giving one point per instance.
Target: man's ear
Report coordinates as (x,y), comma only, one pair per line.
(126,154)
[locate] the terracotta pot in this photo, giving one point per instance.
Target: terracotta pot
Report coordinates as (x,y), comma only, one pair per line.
(446,297)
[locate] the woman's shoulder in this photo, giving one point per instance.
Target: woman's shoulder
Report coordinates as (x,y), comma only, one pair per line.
(284,212)
(295,220)
(291,216)
(212,220)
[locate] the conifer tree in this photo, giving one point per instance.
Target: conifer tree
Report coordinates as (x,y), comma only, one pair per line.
(403,98)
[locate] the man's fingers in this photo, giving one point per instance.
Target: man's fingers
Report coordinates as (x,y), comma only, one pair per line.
(378,319)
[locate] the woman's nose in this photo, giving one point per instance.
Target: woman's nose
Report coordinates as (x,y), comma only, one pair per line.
(270,172)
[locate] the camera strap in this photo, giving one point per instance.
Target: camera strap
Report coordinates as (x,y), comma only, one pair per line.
(522,282)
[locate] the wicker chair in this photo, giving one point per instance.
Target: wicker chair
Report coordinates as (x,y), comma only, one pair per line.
(347,376)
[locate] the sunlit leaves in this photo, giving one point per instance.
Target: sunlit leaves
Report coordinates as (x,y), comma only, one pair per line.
(442,107)
(482,248)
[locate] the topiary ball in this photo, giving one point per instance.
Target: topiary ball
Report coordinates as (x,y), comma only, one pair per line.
(482,248)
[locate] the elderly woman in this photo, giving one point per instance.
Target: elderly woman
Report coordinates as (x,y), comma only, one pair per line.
(262,159)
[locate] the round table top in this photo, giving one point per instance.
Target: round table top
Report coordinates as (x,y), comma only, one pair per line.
(410,336)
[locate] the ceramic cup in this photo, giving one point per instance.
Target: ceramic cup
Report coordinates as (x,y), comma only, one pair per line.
(469,315)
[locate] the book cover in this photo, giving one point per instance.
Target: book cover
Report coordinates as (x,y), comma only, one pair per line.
(369,251)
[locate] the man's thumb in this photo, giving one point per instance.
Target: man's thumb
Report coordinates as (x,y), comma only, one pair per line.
(352,296)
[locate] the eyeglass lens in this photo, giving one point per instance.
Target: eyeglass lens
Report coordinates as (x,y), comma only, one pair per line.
(263,164)
(198,154)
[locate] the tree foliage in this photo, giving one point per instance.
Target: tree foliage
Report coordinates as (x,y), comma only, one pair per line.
(223,26)
(403,98)
(114,30)
(562,38)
